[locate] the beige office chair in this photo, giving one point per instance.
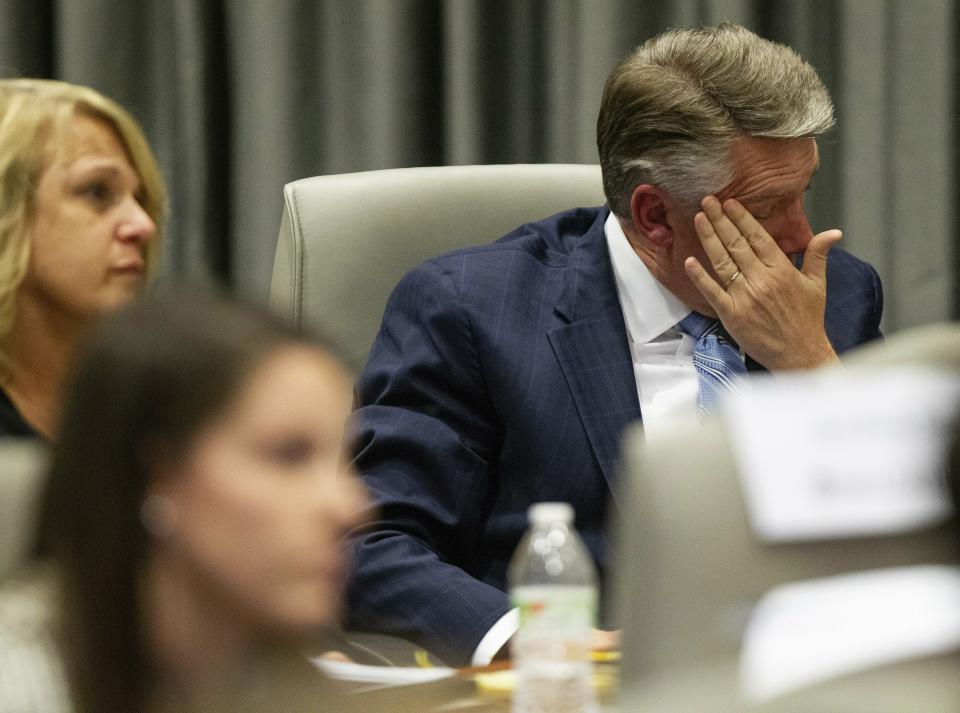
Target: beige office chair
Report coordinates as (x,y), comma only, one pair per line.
(22,471)
(689,570)
(931,345)
(346,240)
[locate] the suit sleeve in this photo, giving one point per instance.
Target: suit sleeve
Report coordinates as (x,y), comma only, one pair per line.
(427,441)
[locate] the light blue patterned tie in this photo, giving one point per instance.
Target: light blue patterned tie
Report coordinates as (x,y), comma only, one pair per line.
(716,358)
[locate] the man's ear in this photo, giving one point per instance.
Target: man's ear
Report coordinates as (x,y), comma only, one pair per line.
(648,210)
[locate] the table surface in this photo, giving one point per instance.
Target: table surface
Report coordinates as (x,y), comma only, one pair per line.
(459,693)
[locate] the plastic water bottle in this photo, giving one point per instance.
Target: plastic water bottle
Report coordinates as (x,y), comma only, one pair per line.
(553,582)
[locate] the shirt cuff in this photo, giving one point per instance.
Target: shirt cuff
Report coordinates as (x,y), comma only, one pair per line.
(494,640)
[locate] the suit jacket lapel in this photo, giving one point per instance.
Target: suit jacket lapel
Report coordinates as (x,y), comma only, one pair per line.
(592,347)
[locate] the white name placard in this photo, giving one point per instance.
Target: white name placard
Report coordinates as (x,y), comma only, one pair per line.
(806,633)
(844,454)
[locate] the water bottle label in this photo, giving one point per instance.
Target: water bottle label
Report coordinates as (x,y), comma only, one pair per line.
(555,608)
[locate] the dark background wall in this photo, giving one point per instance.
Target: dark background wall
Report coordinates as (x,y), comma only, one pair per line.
(240,96)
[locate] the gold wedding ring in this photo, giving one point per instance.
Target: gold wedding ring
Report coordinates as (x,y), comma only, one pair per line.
(729,282)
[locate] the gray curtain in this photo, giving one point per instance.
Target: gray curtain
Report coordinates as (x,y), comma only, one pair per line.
(240,96)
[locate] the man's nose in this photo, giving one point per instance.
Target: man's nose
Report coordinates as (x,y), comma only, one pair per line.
(794,233)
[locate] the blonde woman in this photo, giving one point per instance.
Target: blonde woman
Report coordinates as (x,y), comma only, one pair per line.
(82,207)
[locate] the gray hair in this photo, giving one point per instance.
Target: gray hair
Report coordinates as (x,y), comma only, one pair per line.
(672,109)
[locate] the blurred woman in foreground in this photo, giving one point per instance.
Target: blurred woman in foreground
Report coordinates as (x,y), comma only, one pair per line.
(192,518)
(82,206)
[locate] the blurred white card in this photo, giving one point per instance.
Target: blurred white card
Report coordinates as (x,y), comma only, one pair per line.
(844,454)
(809,632)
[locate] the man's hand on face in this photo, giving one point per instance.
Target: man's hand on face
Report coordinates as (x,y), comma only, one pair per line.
(774,311)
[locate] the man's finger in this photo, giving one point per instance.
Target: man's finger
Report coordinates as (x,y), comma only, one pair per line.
(763,246)
(711,291)
(723,265)
(815,257)
(740,249)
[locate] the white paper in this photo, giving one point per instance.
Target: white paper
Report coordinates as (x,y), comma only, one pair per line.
(386,675)
(809,632)
(835,453)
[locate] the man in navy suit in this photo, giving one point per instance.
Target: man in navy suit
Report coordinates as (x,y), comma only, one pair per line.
(504,375)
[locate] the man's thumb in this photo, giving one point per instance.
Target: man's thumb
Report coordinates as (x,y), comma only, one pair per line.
(815,257)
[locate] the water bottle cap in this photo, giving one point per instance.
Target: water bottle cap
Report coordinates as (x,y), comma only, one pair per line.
(545,513)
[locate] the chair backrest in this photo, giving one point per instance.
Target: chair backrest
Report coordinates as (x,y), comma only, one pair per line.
(931,345)
(690,568)
(346,240)
(22,471)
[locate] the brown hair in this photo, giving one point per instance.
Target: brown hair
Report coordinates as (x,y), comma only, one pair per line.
(672,108)
(157,370)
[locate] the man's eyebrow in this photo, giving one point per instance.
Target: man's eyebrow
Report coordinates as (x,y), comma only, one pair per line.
(775,193)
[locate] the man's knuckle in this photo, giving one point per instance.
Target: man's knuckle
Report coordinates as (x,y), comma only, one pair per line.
(725,265)
(737,242)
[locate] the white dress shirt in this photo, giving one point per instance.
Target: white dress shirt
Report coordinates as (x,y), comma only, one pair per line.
(667,383)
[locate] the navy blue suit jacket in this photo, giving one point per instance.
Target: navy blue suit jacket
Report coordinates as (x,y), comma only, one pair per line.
(502,376)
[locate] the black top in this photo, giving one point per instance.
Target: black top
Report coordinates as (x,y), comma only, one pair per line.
(11,422)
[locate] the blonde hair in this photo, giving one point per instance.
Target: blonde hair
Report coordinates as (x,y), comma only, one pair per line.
(33,113)
(672,109)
